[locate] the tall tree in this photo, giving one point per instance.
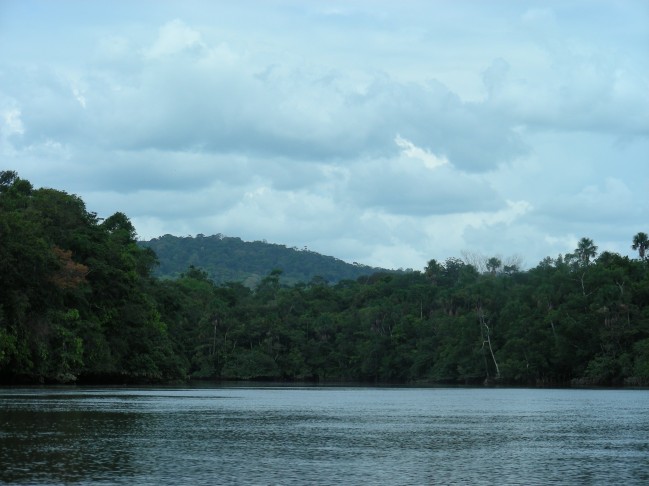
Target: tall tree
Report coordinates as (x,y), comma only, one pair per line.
(493,265)
(586,250)
(641,243)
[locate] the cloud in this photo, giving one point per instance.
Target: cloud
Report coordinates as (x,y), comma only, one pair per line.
(572,87)
(409,149)
(175,37)
(188,94)
(384,134)
(495,76)
(399,187)
(613,201)
(11,122)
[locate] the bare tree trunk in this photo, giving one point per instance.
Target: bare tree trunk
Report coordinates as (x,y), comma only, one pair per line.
(487,338)
(216,323)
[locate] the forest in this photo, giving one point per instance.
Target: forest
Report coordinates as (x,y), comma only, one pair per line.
(79,303)
(230,259)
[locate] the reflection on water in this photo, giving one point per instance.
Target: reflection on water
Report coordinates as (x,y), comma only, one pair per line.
(323,435)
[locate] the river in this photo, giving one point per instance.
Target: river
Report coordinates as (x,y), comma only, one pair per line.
(323,435)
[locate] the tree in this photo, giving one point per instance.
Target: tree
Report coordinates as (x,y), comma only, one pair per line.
(433,271)
(641,243)
(7,179)
(493,265)
(586,250)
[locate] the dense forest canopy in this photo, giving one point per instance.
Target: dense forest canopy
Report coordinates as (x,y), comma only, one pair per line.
(229,259)
(79,303)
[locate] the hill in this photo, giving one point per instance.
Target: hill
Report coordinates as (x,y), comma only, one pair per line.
(230,259)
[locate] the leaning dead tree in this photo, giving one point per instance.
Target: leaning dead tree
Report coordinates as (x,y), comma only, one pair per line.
(486,337)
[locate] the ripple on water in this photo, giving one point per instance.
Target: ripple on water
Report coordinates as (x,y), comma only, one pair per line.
(324,436)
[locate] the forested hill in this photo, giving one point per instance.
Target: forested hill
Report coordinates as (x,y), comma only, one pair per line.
(229,259)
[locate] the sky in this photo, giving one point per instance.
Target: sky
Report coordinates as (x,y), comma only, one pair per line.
(381,132)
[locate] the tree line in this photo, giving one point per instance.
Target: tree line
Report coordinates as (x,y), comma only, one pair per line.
(79,303)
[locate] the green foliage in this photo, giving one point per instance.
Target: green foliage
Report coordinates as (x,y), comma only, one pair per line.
(74,293)
(78,302)
(555,324)
(641,362)
(641,243)
(228,259)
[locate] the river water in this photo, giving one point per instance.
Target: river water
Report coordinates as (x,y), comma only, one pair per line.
(323,435)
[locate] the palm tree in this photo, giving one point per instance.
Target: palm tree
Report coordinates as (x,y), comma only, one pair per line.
(641,243)
(586,250)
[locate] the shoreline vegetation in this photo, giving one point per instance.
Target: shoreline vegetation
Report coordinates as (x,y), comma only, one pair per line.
(80,303)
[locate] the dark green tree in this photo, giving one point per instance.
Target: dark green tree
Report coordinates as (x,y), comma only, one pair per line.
(586,250)
(641,244)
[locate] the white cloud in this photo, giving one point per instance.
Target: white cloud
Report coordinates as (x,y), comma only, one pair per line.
(409,149)
(78,94)
(174,37)
(11,122)
(508,215)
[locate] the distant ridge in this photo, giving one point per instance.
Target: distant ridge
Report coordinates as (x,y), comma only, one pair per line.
(230,259)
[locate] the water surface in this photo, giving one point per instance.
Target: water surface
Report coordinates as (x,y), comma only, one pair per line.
(323,435)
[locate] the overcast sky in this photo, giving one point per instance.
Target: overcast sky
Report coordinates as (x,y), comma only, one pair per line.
(382,132)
